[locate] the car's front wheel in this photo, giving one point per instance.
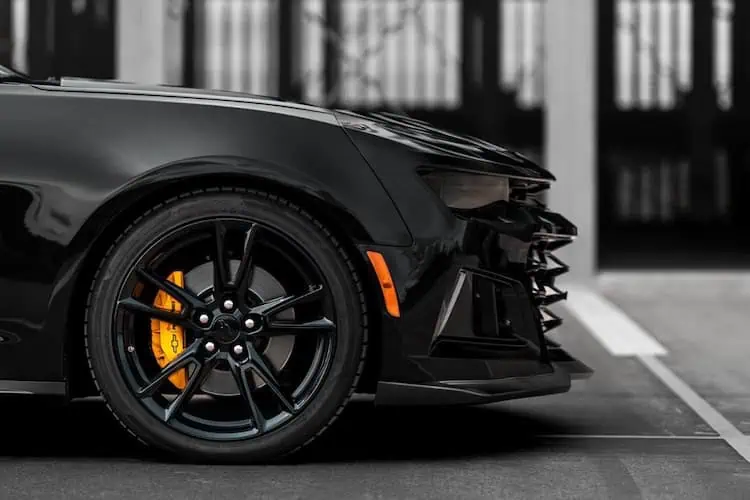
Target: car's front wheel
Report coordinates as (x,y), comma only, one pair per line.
(226,326)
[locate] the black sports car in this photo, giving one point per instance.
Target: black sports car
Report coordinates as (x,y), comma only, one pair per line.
(226,270)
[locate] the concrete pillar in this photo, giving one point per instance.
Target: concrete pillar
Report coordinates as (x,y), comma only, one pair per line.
(149,41)
(19,34)
(570,125)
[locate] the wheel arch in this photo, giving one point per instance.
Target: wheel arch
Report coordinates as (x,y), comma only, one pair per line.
(115,216)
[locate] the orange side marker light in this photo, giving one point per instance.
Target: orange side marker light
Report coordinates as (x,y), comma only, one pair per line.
(386,283)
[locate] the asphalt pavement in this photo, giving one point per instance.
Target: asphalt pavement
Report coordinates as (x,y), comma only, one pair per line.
(624,433)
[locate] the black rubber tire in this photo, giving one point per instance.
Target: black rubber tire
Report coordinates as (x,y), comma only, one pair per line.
(345,287)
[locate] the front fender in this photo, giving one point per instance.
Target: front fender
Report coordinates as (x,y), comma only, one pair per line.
(72,161)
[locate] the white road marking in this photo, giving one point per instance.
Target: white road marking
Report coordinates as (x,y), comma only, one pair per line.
(619,334)
(627,436)
(726,429)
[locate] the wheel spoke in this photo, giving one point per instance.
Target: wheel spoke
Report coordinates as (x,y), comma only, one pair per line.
(220,316)
(315,327)
(200,375)
(240,373)
(221,267)
(245,271)
(133,305)
(185,358)
(280,304)
(259,366)
(182,295)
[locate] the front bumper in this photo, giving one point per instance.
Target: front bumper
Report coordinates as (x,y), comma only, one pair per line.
(476,310)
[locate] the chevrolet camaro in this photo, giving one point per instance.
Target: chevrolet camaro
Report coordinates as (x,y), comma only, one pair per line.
(227,270)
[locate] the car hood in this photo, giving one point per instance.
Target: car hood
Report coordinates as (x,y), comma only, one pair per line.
(208,97)
(440,146)
(72,83)
(444,147)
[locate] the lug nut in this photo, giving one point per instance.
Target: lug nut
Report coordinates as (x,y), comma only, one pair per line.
(249,323)
(238,350)
(210,346)
(203,319)
(228,305)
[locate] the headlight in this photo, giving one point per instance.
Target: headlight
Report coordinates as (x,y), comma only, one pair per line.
(465,191)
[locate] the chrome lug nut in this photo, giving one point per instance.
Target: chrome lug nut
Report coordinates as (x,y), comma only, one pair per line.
(238,350)
(249,323)
(203,319)
(228,305)
(210,346)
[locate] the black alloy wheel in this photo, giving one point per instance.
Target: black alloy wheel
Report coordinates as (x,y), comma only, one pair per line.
(271,327)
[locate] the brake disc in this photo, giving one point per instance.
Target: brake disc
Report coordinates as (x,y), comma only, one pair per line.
(168,341)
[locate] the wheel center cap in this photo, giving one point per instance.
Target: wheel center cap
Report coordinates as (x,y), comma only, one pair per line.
(226,328)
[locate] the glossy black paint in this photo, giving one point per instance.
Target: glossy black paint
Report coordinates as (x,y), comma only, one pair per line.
(72,160)
(79,160)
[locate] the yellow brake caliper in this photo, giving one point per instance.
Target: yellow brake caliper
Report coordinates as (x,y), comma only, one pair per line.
(168,340)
